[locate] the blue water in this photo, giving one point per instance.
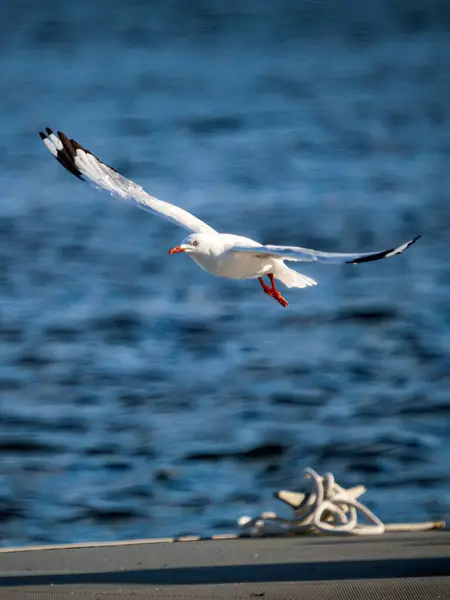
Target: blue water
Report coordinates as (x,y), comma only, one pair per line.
(143,397)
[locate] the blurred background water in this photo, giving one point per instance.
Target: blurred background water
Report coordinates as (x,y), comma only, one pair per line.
(143,397)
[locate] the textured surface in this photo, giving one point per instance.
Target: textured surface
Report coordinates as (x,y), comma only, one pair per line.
(418,588)
(415,565)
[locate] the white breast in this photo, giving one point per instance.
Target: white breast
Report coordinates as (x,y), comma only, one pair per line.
(234,265)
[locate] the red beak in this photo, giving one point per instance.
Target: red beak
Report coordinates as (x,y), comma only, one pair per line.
(176,250)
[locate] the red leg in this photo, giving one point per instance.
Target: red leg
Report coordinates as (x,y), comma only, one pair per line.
(277,294)
(265,287)
(272,291)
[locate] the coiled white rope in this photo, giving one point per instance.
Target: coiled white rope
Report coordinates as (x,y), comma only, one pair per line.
(327,508)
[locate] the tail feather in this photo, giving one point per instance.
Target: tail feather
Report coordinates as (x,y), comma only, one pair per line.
(291,278)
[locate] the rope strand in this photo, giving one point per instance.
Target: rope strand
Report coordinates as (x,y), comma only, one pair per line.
(327,508)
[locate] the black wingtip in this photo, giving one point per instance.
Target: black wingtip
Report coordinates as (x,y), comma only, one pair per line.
(411,242)
(384,253)
(62,137)
(66,154)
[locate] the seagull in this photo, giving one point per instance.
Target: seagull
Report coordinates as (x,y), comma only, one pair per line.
(221,254)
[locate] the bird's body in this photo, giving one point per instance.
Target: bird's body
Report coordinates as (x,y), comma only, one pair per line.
(221,254)
(220,259)
(223,259)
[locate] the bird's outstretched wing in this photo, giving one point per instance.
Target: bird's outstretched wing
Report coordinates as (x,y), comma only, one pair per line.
(306,255)
(87,167)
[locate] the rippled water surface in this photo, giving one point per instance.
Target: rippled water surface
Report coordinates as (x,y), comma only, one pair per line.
(143,397)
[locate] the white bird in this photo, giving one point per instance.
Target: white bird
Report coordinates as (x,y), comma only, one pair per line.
(221,254)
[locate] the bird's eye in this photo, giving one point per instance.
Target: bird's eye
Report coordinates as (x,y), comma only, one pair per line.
(195,243)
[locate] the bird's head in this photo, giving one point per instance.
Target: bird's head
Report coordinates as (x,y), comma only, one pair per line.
(196,243)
